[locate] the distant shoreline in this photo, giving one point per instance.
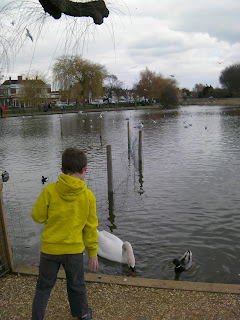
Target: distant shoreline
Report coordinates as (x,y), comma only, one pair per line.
(211,102)
(80,110)
(183,102)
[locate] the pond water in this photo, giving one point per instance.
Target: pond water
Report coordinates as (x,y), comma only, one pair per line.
(184,195)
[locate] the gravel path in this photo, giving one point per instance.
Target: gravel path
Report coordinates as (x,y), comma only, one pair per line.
(118,302)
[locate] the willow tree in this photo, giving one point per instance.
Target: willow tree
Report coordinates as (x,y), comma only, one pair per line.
(78,77)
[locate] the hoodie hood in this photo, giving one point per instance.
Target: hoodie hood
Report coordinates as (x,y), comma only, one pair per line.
(69,188)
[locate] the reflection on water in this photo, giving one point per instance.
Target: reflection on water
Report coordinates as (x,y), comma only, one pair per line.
(183,195)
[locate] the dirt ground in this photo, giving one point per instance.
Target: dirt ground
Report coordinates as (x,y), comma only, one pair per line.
(118,302)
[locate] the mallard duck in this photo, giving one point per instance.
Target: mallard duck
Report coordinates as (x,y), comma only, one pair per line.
(112,248)
(44,179)
(184,263)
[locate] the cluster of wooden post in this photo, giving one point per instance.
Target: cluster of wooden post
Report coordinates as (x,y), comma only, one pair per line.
(6,260)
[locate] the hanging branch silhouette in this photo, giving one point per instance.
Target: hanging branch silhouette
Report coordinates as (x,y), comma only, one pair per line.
(95,9)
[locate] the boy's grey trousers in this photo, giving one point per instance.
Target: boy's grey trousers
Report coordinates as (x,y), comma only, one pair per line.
(48,269)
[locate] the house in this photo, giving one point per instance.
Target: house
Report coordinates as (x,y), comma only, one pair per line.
(11,92)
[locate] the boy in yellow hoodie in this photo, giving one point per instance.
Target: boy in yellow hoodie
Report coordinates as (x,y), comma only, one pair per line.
(68,210)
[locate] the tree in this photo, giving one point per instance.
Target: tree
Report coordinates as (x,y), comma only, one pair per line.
(153,86)
(144,86)
(112,85)
(186,92)
(230,79)
(165,90)
(34,91)
(80,78)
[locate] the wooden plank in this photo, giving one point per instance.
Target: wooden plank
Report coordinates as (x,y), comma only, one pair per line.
(6,251)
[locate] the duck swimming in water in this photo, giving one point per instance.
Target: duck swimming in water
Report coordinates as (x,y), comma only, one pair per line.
(184,263)
(44,179)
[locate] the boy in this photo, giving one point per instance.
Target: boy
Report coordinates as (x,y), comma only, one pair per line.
(68,210)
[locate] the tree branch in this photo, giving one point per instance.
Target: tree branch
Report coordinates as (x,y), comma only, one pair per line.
(95,9)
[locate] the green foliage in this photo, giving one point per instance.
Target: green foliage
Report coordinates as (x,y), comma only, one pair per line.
(79,78)
(230,79)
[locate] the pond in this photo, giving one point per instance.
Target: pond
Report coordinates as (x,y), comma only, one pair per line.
(184,195)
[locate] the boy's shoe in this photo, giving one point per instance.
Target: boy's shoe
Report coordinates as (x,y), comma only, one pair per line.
(88,316)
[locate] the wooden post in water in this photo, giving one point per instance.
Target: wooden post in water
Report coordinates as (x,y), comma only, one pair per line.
(128,130)
(109,170)
(5,249)
(61,125)
(100,127)
(140,148)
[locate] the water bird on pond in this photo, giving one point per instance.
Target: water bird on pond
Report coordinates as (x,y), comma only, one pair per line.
(112,248)
(44,179)
(140,126)
(184,263)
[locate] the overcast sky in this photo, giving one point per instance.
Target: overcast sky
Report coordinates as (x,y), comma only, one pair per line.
(193,40)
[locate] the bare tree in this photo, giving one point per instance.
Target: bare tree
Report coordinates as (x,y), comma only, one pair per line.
(112,85)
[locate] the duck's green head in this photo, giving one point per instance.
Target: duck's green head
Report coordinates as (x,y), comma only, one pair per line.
(176,263)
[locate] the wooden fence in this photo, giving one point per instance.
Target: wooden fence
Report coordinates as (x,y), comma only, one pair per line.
(6,261)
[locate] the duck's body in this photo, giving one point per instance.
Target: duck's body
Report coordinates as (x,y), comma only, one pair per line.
(44,179)
(112,248)
(184,263)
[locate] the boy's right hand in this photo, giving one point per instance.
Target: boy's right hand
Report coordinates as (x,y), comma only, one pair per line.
(93,263)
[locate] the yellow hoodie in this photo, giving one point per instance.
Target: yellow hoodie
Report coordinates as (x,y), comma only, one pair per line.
(68,209)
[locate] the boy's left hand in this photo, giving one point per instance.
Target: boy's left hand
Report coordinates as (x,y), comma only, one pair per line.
(93,263)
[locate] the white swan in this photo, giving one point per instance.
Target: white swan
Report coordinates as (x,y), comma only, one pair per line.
(112,248)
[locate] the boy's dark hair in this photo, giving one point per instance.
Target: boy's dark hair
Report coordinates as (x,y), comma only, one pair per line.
(73,160)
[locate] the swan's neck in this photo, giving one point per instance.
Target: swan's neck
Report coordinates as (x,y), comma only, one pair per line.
(128,254)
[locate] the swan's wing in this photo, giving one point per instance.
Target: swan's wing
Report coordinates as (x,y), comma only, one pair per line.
(109,246)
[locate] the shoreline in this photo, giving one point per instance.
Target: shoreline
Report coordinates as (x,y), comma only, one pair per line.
(230,102)
(142,282)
